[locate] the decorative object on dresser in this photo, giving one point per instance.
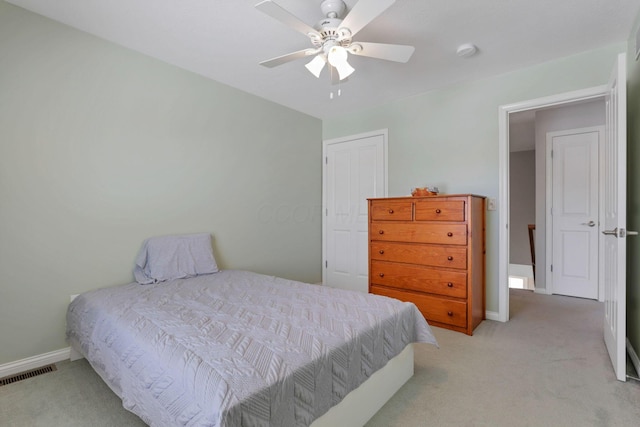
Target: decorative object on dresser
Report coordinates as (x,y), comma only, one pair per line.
(431,251)
(424,191)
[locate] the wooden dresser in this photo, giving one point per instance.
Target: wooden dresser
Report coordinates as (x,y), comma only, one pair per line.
(431,251)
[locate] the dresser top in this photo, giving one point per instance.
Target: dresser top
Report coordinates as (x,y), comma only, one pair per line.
(426,197)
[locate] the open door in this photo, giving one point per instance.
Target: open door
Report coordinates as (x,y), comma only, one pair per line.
(615,220)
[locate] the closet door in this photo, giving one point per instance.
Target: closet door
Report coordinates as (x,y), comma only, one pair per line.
(354,170)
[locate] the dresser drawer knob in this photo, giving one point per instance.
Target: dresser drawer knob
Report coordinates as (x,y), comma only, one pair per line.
(390,211)
(450,285)
(450,234)
(381,232)
(450,313)
(381,274)
(450,258)
(381,252)
(438,211)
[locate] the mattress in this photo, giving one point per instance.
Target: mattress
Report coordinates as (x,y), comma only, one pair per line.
(237,348)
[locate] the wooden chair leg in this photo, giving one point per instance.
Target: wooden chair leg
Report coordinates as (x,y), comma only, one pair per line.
(532,245)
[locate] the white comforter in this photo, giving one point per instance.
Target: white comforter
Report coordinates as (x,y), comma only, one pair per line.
(237,348)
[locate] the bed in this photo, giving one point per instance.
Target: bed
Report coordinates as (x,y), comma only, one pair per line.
(236,348)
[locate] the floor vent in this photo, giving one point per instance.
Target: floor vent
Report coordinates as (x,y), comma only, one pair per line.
(28,374)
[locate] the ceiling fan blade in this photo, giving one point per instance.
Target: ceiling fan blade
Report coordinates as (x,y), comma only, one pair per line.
(364,12)
(277,12)
(390,52)
(279,60)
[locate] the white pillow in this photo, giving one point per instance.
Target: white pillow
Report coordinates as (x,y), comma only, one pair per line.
(174,257)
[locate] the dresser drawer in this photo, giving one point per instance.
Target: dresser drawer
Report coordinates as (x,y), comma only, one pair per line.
(447,234)
(436,256)
(439,210)
(421,279)
(391,210)
(434,309)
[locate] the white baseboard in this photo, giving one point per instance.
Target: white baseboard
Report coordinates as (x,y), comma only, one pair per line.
(75,354)
(520,270)
(492,315)
(633,356)
(34,362)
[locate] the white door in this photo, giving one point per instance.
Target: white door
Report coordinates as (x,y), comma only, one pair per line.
(615,220)
(574,211)
(354,169)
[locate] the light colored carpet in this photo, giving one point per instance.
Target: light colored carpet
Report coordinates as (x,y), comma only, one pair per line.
(548,366)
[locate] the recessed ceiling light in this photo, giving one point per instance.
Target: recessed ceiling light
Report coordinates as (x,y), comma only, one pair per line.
(466,50)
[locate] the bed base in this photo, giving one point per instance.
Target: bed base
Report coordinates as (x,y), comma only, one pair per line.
(361,404)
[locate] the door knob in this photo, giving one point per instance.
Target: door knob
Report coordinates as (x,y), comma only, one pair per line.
(620,233)
(590,223)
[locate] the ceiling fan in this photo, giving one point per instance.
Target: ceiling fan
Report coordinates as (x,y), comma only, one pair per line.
(332,36)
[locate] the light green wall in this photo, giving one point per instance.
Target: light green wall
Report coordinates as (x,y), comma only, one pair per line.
(633,191)
(102,147)
(449,137)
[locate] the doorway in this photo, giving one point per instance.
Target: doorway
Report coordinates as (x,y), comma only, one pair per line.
(614,183)
(532,184)
(546,115)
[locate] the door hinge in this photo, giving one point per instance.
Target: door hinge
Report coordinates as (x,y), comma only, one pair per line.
(551,267)
(326,264)
(326,160)
(326,212)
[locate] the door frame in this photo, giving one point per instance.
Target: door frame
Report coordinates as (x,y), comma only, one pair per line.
(503,171)
(325,144)
(549,197)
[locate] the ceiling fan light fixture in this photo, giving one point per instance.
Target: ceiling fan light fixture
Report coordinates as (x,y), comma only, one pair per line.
(337,57)
(344,70)
(316,65)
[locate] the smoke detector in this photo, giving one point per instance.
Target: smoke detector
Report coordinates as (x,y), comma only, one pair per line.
(466,50)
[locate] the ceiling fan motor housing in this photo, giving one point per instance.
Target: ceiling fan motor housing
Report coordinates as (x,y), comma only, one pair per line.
(333,8)
(329,29)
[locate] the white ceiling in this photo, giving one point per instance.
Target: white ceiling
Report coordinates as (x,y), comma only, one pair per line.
(226,39)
